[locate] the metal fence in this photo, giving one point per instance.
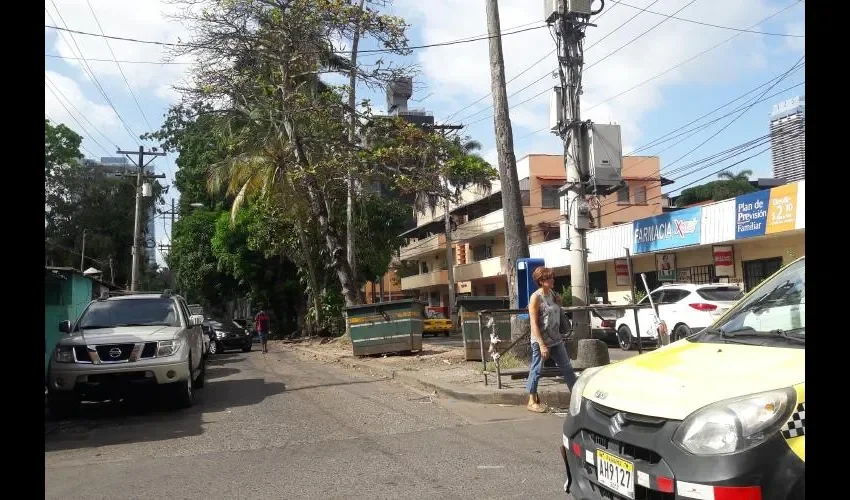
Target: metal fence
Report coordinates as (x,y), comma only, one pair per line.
(487,322)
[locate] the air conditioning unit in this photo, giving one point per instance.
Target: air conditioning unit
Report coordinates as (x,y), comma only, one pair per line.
(552,9)
(606,157)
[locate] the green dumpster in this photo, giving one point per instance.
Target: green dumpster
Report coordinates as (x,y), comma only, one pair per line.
(385,327)
(468,308)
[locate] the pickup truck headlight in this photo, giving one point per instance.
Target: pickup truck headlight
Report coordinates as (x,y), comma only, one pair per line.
(735,425)
(578,389)
(168,347)
(64,354)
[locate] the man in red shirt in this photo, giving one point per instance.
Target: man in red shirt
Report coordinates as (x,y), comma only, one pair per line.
(262,324)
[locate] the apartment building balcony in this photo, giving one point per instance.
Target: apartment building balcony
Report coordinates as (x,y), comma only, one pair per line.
(481,269)
(422,247)
(425,280)
(493,223)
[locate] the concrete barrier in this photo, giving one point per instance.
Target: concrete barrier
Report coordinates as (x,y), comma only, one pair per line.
(590,353)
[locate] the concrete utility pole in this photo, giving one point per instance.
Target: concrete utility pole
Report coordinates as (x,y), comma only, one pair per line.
(569,31)
(447,217)
(137,225)
(352,133)
(516,235)
(83,253)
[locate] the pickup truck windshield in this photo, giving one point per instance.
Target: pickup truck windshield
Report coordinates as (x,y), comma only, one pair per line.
(155,311)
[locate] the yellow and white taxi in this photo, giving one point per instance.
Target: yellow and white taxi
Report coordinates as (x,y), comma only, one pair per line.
(719,415)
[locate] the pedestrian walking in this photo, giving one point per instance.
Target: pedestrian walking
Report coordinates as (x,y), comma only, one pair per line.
(544,310)
(262,324)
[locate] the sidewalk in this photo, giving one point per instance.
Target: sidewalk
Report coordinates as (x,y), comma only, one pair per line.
(439,368)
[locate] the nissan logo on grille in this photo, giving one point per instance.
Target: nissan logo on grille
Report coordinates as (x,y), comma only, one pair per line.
(115,352)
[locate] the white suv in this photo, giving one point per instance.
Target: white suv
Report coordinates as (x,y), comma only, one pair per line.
(684,307)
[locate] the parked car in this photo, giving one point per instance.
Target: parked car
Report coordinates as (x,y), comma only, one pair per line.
(720,414)
(197,310)
(124,342)
(684,307)
(227,335)
(436,323)
(603,325)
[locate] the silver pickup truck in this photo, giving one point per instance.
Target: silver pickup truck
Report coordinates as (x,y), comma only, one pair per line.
(126,342)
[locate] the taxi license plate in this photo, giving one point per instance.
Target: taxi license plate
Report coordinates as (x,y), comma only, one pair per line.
(615,473)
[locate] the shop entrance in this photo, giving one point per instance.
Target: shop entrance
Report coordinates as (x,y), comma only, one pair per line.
(756,271)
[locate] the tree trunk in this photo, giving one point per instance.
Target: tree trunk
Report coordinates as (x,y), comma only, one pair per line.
(516,236)
(312,273)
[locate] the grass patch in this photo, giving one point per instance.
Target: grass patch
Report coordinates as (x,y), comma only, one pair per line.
(507,361)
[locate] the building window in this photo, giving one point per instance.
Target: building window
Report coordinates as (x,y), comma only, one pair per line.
(550,197)
(525,196)
(640,195)
(623,196)
(482,252)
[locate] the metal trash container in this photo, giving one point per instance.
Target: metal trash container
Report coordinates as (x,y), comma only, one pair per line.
(385,327)
(468,308)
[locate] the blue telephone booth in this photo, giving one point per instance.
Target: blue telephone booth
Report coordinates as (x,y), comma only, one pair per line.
(525,282)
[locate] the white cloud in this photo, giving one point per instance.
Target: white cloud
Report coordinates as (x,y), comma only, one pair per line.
(459,74)
(149,21)
(62,94)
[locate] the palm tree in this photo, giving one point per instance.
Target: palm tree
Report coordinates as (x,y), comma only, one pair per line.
(743,175)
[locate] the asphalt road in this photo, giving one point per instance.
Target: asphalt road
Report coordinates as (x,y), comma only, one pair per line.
(278,427)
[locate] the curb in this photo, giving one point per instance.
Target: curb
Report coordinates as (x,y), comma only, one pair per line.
(560,399)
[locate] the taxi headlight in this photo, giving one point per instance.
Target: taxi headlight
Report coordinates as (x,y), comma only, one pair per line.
(578,389)
(737,424)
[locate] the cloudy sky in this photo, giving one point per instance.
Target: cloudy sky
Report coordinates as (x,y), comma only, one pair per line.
(644,70)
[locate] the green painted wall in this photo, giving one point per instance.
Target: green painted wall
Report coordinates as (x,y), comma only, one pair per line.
(63,300)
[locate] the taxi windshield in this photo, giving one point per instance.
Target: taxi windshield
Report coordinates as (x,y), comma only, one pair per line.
(434,315)
(773,315)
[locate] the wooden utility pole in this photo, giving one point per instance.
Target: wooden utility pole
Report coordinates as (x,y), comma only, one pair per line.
(516,236)
(137,225)
(352,134)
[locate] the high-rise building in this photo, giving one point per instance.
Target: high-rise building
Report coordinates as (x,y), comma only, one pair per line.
(788,139)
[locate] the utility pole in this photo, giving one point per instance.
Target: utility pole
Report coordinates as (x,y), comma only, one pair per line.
(83,253)
(137,225)
(111,272)
(447,217)
(569,31)
(352,132)
(516,235)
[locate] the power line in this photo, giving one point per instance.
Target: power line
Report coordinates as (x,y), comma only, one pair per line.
(79,113)
(57,56)
(526,70)
(639,36)
(88,134)
(366,51)
(676,66)
(585,69)
(741,30)
(89,71)
(120,70)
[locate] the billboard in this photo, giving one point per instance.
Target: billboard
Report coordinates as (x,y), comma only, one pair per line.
(766,212)
(666,231)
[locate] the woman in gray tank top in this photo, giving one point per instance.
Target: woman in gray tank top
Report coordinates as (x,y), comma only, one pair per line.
(544,309)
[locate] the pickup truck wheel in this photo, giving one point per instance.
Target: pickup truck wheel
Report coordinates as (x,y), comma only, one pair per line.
(247,348)
(62,405)
(184,392)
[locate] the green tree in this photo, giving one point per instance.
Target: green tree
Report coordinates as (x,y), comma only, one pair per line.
(81,197)
(715,191)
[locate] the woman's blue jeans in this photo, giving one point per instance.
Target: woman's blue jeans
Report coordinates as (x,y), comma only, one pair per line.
(558,353)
